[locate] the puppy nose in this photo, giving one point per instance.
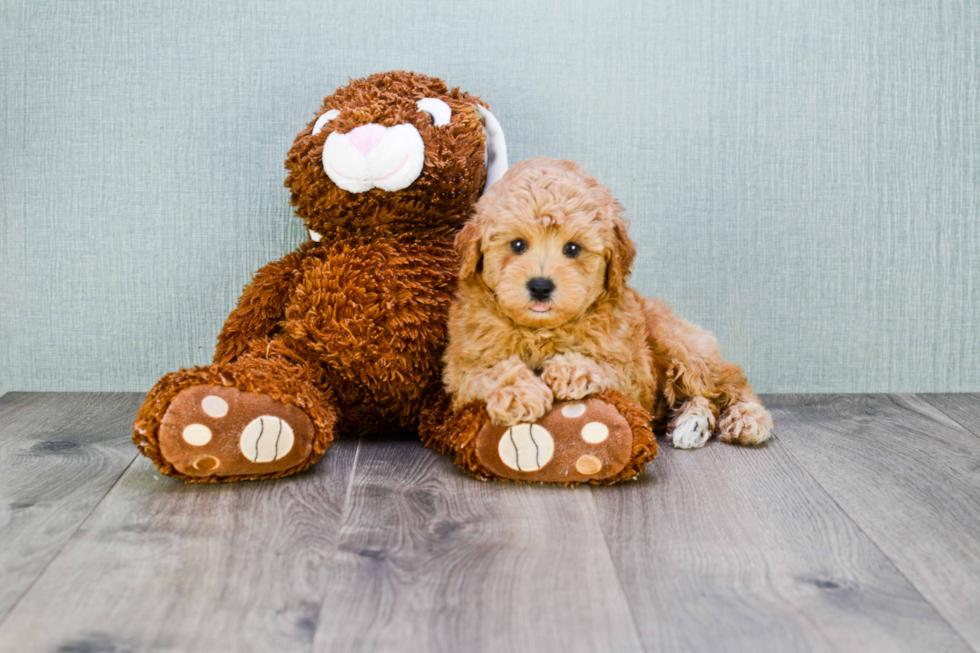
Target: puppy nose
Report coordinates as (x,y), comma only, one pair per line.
(540,288)
(366,137)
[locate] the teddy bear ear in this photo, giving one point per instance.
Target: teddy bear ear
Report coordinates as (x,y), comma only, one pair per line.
(323,120)
(496,150)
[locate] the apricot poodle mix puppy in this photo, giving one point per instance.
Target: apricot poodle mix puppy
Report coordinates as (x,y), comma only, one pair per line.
(544,314)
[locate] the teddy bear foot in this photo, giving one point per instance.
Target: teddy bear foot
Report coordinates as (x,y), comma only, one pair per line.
(212,432)
(574,442)
(601,439)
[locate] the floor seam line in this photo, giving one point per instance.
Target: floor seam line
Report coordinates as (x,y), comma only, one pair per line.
(921,397)
(619,580)
(336,546)
(874,542)
(350,484)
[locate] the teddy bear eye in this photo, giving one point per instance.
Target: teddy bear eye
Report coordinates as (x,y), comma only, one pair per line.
(439,112)
(571,250)
(324,119)
(518,246)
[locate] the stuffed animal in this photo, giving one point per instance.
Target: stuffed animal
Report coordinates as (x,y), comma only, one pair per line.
(345,334)
(556,367)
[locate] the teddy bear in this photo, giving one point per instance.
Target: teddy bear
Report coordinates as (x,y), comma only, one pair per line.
(345,334)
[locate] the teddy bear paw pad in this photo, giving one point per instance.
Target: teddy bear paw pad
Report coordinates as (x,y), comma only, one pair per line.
(220,431)
(574,442)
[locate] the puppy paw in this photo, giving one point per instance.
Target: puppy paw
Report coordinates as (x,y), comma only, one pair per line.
(525,399)
(573,376)
(746,422)
(692,424)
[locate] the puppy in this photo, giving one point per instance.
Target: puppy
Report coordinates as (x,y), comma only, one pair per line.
(543,313)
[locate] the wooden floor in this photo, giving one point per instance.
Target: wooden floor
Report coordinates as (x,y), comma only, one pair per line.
(856,529)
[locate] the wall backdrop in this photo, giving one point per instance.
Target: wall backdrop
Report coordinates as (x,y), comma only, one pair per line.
(802,177)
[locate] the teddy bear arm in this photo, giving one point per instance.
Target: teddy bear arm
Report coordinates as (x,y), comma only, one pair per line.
(260,309)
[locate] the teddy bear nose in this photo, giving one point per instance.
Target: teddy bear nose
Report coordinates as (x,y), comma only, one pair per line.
(365,137)
(540,288)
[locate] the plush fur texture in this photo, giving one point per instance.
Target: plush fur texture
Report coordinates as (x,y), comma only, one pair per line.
(518,353)
(452,176)
(282,380)
(454,431)
(351,328)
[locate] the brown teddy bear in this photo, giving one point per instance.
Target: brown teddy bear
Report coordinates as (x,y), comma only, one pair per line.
(344,334)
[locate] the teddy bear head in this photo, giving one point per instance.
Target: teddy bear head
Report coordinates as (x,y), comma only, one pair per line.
(394,147)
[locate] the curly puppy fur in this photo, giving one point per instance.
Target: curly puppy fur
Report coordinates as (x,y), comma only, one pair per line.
(519,349)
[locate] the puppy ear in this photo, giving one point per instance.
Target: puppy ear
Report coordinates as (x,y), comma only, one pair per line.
(619,261)
(468,248)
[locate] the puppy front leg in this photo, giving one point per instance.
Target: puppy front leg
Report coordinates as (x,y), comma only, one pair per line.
(692,424)
(572,376)
(511,391)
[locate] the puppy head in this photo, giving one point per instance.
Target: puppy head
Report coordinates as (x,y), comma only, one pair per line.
(547,241)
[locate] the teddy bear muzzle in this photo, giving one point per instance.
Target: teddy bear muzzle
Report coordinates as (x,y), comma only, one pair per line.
(374,156)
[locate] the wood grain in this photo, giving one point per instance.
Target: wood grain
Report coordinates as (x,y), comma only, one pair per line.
(909,476)
(735,549)
(964,409)
(165,566)
(855,530)
(432,560)
(59,455)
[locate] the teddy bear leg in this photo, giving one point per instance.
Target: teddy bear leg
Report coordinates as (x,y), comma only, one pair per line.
(255,418)
(600,439)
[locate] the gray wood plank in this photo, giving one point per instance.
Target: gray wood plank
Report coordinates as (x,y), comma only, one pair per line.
(734,549)
(963,408)
(909,476)
(59,455)
(165,566)
(432,560)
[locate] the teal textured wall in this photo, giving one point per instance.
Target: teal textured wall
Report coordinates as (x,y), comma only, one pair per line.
(803,178)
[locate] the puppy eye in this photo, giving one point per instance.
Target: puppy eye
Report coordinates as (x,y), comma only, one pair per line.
(323,120)
(439,112)
(518,246)
(571,250)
